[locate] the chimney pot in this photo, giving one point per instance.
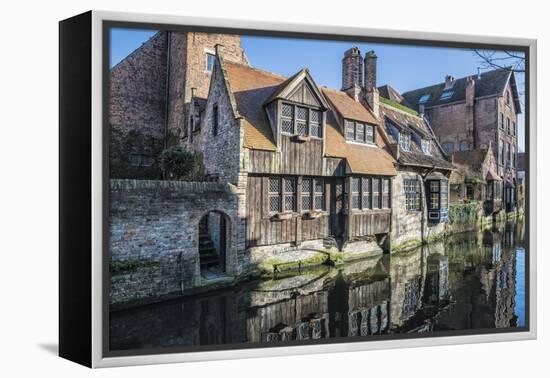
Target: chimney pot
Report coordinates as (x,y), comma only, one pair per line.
(449,81)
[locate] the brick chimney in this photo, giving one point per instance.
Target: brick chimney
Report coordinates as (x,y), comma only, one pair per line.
(371,92)
(449,81)
(352,69)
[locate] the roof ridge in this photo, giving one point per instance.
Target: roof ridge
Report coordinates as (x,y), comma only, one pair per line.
(507,68)
(258,69)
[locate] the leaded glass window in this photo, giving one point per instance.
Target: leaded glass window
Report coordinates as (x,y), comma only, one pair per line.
(385,193)
(287,119)
(274,194)
(375,193)
(289,193)
(366,193)
(355,192)
(301,120)
(405,141)
(350,129)
(412,194)
(315,122)
(306,194)
(360,132)
(369,133)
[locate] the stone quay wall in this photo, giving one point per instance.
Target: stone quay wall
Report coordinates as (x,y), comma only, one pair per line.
(153,235)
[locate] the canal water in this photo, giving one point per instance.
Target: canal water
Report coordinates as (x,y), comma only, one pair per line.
(472,281)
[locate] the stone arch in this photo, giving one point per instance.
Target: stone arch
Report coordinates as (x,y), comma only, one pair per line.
(214,241)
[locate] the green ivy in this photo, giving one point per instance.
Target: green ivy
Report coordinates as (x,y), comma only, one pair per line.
(464,213)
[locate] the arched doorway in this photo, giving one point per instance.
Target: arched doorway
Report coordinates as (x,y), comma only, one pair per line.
(213,242)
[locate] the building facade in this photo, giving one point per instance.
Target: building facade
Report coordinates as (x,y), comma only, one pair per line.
(149,95)
(470,113)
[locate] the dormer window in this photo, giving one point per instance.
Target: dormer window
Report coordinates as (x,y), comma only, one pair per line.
(424,98)
(445,95)
(358,131)
(301,120)
(405,141)
(426,145)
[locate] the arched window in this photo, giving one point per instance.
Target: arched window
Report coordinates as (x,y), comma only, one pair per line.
(448,147)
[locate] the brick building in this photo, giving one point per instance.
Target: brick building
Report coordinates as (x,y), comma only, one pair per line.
(150,93)
(470,113)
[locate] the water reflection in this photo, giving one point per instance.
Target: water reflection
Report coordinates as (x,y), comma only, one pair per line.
(472,281)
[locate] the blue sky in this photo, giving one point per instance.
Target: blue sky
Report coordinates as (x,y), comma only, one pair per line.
(403,67)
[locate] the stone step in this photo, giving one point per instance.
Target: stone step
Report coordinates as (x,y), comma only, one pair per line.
(208,257)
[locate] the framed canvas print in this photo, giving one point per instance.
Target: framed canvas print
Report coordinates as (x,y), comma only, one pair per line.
(232,189)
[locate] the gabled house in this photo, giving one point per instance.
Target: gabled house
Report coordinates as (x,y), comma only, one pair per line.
(475,179)
(471,112)
(310,165)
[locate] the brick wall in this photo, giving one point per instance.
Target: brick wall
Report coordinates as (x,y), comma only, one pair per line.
(138,89)
(154,226)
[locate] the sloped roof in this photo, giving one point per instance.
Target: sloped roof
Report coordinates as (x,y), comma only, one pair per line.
(390,93)
(289,85)
(251,88)
(411,123)
(469,165)
(473,158)
(362,159)
(348,107)
(490,83)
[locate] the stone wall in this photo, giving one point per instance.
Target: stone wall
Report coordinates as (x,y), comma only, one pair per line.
(221,150)
(154,233)
(406,229)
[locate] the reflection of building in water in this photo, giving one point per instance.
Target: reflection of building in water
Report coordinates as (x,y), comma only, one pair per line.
(437,279)
(481,283)
(465,283)
(347,304)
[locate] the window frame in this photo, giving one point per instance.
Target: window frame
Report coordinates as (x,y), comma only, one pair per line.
(424,98)
(408,139)
(364,197)
(313,194)
(413,194)
(282,194)
(209,55)
(426,146)
(446,94)
(309,124)
(366,126)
